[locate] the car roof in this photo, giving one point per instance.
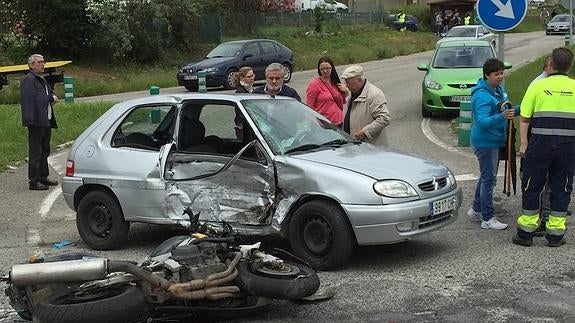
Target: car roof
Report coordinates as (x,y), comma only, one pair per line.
(469,42)
(179,98)
(242,41)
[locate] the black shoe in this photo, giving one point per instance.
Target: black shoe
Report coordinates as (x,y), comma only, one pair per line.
(48,182)
(540,231)
(521,242)
(556,243)
(38,187)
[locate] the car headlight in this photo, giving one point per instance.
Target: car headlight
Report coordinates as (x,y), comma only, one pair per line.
(394,188)
(431,84)
(210,69)
(451,178)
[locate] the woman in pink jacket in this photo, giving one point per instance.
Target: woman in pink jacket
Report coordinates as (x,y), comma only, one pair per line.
(325,93)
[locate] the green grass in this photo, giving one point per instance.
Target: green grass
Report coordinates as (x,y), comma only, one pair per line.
(72,120)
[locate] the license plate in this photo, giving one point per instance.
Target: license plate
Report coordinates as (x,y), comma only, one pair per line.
(459,98)
(443,206)
(190,77)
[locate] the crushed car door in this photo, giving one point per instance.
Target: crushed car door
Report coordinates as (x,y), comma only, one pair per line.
(216,169)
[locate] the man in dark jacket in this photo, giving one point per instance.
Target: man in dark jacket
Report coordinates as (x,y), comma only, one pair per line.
(37,98)
(275,83)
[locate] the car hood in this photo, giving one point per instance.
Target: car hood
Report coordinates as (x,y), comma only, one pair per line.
(455,75)
(209,62)
(377,162)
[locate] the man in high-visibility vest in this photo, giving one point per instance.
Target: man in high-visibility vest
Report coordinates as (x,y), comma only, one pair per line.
(401,21)
(467,19)
(548,112)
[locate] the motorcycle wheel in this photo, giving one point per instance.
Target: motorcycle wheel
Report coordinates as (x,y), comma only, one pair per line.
(287,281)
(118,304)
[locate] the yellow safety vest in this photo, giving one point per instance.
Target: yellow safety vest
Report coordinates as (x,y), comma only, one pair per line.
(467,20)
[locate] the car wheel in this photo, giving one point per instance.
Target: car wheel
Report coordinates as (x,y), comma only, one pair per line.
(230,79)
(192,88)
(320,234)
(426,113)
(287,72)
(100,221)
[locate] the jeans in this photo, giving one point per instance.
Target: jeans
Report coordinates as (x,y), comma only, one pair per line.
(488,159)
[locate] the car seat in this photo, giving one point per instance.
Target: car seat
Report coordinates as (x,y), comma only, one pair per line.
(193,137)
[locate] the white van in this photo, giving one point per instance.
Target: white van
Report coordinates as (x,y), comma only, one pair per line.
(329,5)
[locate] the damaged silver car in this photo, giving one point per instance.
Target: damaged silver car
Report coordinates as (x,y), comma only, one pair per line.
(267,166)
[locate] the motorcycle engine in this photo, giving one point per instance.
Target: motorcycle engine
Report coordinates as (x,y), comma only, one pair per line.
(197,261)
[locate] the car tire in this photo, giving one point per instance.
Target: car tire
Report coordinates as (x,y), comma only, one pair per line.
(287,72)
(192,88)
(100,221)
(230,79)
(426,113)
(121,303)
(320,234)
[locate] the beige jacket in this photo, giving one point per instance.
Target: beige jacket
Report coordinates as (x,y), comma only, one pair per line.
(369,112)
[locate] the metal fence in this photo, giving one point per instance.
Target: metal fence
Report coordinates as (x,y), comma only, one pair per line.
(307,18)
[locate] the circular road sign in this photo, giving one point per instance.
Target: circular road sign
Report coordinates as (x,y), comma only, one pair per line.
(501,15)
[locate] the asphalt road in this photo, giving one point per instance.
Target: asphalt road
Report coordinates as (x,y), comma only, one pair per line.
(458,274)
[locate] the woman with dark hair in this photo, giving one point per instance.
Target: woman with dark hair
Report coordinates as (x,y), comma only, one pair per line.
(488,134)
(325,93)
(244,80)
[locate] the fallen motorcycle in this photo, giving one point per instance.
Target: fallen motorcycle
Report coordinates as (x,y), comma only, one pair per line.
(206,275)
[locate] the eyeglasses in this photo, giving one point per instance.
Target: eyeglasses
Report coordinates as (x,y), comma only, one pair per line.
(325,69)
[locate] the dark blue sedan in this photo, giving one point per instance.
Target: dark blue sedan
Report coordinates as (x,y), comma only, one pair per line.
(223,62)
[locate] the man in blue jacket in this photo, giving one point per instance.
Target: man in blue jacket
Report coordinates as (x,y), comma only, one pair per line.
(37,98)
(488,134)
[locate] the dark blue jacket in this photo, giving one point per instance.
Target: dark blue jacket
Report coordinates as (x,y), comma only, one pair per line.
(34,101)
(285,91)
(489,128)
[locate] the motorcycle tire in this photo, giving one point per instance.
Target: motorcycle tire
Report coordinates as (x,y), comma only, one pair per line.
(121,304)
(297,282)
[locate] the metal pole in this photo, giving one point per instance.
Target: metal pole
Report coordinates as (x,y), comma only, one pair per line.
(501,47)
(571,24)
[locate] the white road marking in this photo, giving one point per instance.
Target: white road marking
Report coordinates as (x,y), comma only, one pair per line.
(49,201)
(466,177)
(33,237)
(428,133)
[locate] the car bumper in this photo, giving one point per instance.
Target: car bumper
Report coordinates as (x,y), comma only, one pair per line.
(378,224)
(211,80)
(560,31)
(443,100)
(69,187)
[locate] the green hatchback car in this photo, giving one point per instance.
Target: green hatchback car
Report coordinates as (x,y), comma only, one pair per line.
(454,69)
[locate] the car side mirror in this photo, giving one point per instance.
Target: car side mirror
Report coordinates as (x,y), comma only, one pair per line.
(423,67)
(246,56)
(507,65)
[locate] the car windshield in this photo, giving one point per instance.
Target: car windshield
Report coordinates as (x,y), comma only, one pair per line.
(289,126)
(226,50)
(560,19)
(462,57)
(461,32)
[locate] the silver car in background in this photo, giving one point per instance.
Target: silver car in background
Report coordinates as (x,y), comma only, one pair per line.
(469,32)
(560,24)
(268,166)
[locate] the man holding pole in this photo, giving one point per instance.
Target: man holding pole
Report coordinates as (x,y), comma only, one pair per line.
(548,108)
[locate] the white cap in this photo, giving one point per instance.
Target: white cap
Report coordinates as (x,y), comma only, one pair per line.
(352,71)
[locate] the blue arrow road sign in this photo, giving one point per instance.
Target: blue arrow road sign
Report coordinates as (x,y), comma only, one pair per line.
(501,15)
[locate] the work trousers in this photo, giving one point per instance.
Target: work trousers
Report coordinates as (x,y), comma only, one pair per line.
(38,152)
(551,158)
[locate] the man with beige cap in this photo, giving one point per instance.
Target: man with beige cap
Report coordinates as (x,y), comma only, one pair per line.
(366,115)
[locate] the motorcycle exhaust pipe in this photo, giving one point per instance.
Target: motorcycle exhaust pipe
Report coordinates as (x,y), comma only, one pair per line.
(59,272)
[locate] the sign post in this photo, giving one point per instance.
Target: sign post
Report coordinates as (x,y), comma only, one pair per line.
(499,16)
